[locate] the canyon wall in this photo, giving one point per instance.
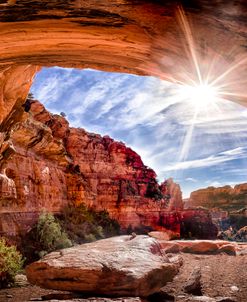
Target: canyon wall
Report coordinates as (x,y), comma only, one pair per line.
(45,164)
(225,198)
(227,205)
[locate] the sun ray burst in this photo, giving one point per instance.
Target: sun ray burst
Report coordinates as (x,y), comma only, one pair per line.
(211,80)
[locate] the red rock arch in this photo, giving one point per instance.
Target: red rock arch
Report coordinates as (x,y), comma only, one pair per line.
(134,36)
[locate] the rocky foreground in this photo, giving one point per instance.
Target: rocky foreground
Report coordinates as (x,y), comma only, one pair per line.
(118,267)
(135,269)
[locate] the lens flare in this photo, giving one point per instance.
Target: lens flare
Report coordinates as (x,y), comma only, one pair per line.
(207,79)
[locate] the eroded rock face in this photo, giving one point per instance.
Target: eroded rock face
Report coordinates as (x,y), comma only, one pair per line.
(227,206)
(15,82)
(225,198)
(173,193)
(47,164)
(197,223)
(116,266)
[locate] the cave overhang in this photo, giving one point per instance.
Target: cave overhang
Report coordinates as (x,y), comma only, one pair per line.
(133,36)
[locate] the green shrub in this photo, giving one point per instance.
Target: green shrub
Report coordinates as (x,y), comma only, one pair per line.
(50,234)
(90,238)
(11,263)
(84,224)
(77,224)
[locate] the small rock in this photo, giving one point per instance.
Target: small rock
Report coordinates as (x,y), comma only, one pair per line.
(201,247)
(225,299)
(133,235)
(242,252)
(229,249)
(164,235)
(234,288)
(177,259)
(193,285)
(21,280)
(9,296)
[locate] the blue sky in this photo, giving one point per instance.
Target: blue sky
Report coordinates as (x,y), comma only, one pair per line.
(149,115)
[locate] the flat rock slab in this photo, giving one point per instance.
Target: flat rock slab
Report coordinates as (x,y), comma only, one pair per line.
(113,267)
(204,247)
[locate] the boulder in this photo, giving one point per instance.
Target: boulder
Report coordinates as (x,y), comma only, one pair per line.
(200,247)
(113,267)
(193,284)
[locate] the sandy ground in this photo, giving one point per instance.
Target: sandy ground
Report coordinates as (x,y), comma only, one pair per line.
(219,273)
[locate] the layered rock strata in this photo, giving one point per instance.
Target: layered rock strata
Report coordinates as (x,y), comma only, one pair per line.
(46,165)
(226,198)
(227,206)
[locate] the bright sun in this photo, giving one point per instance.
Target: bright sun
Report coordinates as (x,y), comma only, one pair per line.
(200,95)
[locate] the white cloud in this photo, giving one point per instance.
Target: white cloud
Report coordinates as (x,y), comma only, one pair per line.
(191,179)
(212,160)
(215,184)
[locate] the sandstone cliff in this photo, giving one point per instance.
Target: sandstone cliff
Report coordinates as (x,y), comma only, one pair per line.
(46,164)
(225,198)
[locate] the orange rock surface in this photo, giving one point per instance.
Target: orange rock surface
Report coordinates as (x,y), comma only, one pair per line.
(140,37)
(225,198)
(47,164)
(113,267)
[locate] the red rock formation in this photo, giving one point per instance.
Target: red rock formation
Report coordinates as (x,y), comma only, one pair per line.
(173,194)
(49,164)
(197,223)
(227,205)
(223,198)
(141,37)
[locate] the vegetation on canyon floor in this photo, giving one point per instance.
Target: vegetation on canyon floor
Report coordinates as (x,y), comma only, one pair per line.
(84,224)
(74,225)
(11,262)
(50,234)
